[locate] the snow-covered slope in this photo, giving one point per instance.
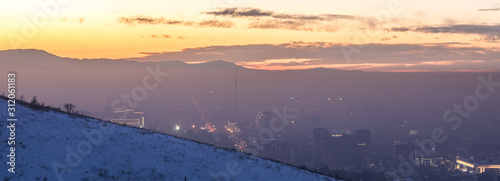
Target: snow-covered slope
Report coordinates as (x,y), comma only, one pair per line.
(56,146)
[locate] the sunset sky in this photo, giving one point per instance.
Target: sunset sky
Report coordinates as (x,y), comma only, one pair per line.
(404,35)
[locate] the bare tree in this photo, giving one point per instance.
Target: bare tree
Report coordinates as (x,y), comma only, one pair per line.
(69,107)
(34,101)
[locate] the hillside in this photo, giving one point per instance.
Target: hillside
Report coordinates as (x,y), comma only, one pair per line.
(51,145)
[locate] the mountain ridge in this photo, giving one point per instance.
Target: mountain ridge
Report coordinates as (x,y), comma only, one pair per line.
(37,58)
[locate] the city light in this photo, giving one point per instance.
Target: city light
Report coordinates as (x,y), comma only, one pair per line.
(177,127)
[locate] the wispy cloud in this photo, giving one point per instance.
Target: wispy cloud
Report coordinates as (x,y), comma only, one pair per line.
(254,12)
(144,20)
(159,36)
(490,32)
(489,9)
(216,23)
(279,24)
(262,19)
(240,12)
(147,20)
(401,29)
(388,38)
(71,20)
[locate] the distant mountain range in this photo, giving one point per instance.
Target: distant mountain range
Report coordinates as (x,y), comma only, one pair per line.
(42,59)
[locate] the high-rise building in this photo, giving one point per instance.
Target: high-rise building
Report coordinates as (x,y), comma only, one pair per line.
(320,135)
(263,119)
(342,150)
(362,143)
(404,152)
(278,150)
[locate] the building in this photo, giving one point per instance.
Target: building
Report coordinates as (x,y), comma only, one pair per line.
(342,150)
(263,119)
(128,117)
(430,162)
(405,153)
(478,166)
(232,127)
(278,150)
(320,135)
(361,149)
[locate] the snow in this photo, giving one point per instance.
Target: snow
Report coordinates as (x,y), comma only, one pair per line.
(56,146)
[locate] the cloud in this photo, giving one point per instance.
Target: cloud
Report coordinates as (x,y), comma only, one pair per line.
(72,20)
(143,20)
(240,12)
(147,20)
(388,38)
(490,32)
(473,29)
(489,9)
(297,25)
(254,12)
(277,24)
(400,29)
(216,23)
(159,36)
(326,54)
(261,19)
(292,62)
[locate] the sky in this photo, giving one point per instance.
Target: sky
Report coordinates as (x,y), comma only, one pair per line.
(371,35)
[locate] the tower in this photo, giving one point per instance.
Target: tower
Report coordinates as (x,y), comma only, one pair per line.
(210,102)
(235,105)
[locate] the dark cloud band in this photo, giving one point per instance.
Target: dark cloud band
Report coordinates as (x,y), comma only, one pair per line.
(490,32)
